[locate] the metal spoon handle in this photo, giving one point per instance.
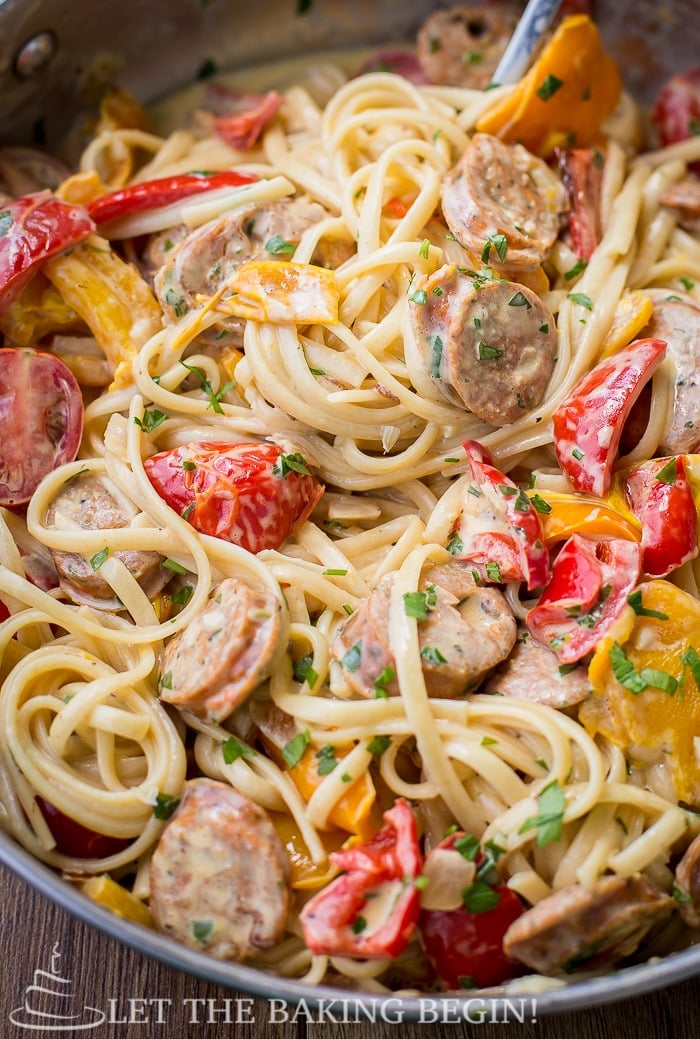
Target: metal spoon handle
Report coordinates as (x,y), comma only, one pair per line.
(535,20)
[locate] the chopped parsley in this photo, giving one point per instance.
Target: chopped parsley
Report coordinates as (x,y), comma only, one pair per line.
(493,572)
(487,353)
(152,418)
(202,930)
(382,681)
(417,604)
(499,242)
(303,670)
(577,453)
(358,925)
(419,296)
(165,681)
(188,465)
(479,897)
(540,505)
(519,300)
(548,87)
(581,298)
(215,396)
(378,745)
(669,472)
(574,271)
(165,806)
(327,760)
(635,601)
(233,749)
(432,655)
(171,564)
(278,246)
(424,250)
(351,660)
(468,846)
(637,681)
(551,802)
(455,545)
(544,328)
(177,301)
(436,357)
(293,463)
(292,752)
(183,595)
(687,283)
(98,559)
(488,741)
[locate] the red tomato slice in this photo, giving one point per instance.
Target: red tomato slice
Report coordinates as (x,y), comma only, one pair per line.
(465,946)
(513,549)
(251,494)
(660,496)
(41,420)
(32,229)
(591,580)
(76,840)
(588,423)
(676,113)
(370,911)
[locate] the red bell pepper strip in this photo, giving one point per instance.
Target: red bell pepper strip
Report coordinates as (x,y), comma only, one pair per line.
(582,175)
(588,423)
(660,496)
(154,194)
(76,840)
(241,129)
(513,549)
(465,946)
(250,494)
(33,228)
(370,911)
(591,580)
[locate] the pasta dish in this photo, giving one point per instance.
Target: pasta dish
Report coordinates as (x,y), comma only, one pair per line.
(348,544)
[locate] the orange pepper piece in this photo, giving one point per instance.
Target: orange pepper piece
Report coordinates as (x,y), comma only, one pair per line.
(353,812)
(564,97)
(578,514)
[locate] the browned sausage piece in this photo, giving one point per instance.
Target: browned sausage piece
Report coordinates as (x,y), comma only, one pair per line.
(581,929)
(676,319)
(532,672)
(688,883)
(462,45)
(224,653)
(501,189)
(219,874)
(488,345)
(206,258)
(684,195)
(461,639)
(86,502)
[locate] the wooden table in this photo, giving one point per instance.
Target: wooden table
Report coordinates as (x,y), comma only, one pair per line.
(125,984)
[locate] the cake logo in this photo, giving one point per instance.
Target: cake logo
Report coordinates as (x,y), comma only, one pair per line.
(58,1014)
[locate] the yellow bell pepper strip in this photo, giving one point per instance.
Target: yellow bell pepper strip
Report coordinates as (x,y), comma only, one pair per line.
(659,493)
(39,311)
(82,187)
(591,580)
(646,674)
(564,97)
(305,875)
(274,290)
(588,423)
(562,515)
(106,892)
(353,812)
(633,313)
(111,297)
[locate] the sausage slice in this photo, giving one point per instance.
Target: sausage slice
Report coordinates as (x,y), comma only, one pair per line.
(501,189)
(532,672)
(225,652)
(581,929)
(461,639)
(688,883)
(203,261)
(487,345)
(85,502)
(676,319)
(462,45)
(219,874)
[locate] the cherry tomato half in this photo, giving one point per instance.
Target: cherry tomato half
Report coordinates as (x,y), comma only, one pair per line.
(74,839)
(41,420)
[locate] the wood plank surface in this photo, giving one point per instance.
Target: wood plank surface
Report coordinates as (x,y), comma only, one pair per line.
(143,998)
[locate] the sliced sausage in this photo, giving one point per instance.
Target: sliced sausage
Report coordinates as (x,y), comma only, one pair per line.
(581,929)
(462,45)
(685,197)
(676,320)
(501,189)
(461,640)
(219,874)
(488,345)
(688,883)
(203,261)
(85,502)
(224,653)
(532,672)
